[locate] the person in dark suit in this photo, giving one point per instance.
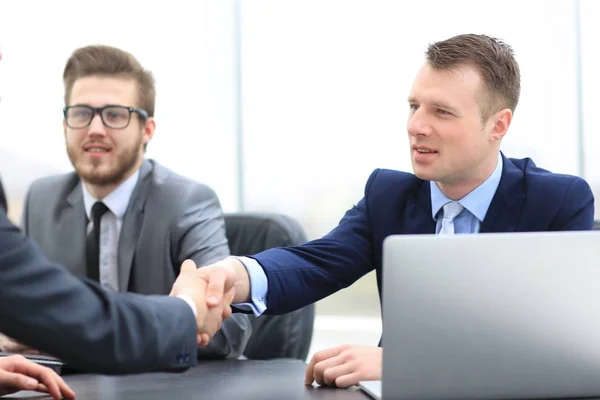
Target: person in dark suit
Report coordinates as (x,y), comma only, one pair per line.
(152,218)
(460,107)
(91,328)
(18,373)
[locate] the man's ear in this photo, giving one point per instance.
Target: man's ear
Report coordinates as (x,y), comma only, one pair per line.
(149,128)
(501,121)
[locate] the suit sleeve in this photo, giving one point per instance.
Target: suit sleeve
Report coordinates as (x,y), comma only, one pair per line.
(200,235)
(301,275)
(44,306)
(577,210)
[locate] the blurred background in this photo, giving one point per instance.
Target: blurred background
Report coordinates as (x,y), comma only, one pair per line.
(288,106)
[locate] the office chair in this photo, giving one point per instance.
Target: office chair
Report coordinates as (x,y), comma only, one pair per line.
(597,225)
(273,336)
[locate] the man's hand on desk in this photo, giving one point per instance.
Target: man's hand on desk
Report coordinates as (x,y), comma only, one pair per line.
(194,285)
(17,373)
(345,366)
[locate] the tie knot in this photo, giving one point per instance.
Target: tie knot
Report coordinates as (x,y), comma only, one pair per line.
(452,209)
(98,210)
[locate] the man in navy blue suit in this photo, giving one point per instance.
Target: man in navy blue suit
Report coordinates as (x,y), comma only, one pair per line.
(461,104)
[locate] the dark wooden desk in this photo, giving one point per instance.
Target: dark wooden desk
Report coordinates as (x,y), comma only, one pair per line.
(219,380)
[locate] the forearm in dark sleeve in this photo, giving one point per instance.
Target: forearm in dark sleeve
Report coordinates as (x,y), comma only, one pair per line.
(47,308)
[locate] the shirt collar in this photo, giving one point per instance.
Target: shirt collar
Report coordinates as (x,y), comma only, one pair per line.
(116,201)
(477,202)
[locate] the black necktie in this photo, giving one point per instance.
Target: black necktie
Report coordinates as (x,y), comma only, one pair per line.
(93,242)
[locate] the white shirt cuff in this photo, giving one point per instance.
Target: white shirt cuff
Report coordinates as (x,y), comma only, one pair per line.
(190,302)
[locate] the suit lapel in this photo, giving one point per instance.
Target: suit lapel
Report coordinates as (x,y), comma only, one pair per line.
(505,208)
(71,230)
(132,224)
(417,215)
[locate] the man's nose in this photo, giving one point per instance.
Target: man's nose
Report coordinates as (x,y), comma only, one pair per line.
(418,123)
(96,125)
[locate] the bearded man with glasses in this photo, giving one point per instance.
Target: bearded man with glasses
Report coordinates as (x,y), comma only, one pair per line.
(121,219)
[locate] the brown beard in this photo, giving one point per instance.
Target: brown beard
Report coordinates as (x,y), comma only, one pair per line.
(90,173)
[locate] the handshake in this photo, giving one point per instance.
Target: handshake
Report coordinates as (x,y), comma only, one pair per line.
(212,289)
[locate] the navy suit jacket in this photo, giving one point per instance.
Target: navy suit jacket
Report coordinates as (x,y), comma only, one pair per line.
(46,307)
(528,199)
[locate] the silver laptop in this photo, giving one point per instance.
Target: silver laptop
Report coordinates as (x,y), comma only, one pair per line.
(491,316)
(372,388)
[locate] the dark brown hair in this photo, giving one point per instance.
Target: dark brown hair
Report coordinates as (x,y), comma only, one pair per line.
(111,62)
(495,61)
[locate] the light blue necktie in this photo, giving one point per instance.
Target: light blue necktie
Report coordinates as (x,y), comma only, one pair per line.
(451,211)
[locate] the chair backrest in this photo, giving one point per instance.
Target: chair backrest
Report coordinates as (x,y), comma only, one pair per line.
(597,225)
(273,336)
(250,232)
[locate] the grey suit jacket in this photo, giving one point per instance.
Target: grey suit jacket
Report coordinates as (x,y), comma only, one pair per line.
(169,219)
(49,309)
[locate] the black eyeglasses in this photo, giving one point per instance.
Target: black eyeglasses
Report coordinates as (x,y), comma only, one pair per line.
(112,116)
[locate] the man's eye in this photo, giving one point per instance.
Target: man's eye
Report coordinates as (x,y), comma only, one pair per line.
(115,115)
(82,114)
(443,112)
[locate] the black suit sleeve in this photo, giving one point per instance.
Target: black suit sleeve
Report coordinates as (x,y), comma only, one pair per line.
(47,308)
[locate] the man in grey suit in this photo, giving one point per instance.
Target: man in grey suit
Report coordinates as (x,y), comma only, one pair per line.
(93,328)
(96,329)
(47,308)
(120,219)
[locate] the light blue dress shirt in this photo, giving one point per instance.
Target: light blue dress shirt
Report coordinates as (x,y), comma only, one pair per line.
(476,205)
(258,287)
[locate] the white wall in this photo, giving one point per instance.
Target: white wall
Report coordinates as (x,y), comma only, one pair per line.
(590,85)
(187,45)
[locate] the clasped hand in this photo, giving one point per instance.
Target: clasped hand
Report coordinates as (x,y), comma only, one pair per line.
(212,290)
